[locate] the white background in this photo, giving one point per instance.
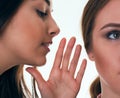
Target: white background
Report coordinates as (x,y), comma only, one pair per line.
(67,14)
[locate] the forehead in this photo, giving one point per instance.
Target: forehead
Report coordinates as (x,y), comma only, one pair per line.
(110,9)
(48,2)
(109,13)
(43,4)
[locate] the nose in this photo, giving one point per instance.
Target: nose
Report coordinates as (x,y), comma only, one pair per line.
(53,28)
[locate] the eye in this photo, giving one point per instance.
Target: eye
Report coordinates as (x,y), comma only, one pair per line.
(41,14)
(115,34)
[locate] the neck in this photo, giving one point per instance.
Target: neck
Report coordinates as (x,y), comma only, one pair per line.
(7,60)
(108,91)
(4,68)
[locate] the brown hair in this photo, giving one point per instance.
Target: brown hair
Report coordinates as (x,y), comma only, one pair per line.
(90,12)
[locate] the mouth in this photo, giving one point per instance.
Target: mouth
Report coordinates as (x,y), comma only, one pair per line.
(46,45)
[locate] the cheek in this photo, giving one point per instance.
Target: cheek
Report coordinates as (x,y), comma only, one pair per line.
(101,61)
(108,67)
(24,39)
(27,23)
(28,29)
(103,58)
(24,35)
(107,61)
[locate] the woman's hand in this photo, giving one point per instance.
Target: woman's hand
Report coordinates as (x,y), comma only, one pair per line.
(62,82)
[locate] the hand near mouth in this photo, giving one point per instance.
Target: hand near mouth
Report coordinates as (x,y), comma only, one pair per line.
(62,82)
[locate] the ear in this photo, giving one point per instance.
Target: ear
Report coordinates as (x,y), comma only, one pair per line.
(91,55)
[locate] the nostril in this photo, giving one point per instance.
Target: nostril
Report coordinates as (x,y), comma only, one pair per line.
(55,33)
(52,33)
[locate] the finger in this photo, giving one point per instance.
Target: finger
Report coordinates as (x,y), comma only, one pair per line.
(81,72)
(67,54)
(75,59)
(38,77)
(59,54)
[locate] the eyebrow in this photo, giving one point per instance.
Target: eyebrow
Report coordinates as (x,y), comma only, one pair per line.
(110,25)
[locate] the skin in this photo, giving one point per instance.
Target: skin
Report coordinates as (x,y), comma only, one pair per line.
(106,48)
(27,38)
(25,41)
(61,82)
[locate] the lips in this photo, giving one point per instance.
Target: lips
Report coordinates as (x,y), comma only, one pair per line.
(46,45)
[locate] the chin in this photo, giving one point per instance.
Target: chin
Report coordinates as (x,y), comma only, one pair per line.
(41,62)
(37,62)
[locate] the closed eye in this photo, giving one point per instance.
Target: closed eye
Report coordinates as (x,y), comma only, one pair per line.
(41,13)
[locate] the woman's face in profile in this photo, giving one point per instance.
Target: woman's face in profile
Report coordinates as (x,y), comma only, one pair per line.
(30,32)
(106,45)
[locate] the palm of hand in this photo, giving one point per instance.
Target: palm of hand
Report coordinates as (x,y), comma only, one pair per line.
(62,85)
(61,82)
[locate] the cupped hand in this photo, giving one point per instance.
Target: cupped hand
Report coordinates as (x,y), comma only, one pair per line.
(62,82)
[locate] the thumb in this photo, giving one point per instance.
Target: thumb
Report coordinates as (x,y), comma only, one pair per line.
(38,77)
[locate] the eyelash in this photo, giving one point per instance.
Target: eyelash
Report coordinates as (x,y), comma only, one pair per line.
(113,35)
(41,14)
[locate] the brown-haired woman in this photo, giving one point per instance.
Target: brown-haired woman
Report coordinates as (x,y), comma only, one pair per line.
(101,34)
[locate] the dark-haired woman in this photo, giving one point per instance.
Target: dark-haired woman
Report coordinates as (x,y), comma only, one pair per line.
(26,31)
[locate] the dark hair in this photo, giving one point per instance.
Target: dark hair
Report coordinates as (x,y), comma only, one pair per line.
(7,10)
(90,12)
(11,82)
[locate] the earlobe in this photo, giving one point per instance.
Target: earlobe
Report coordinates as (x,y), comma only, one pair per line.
(91,56)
